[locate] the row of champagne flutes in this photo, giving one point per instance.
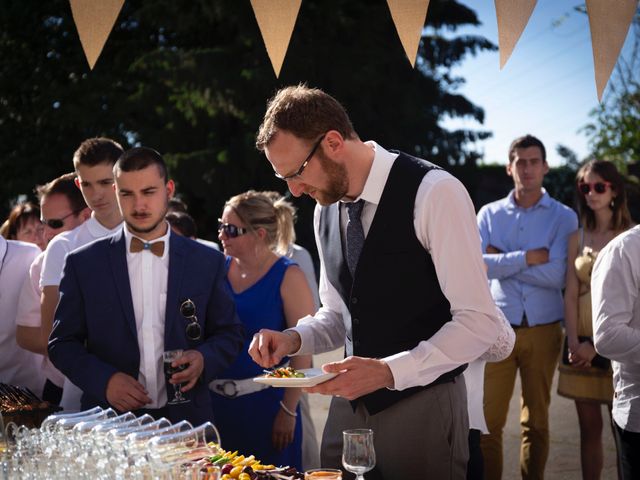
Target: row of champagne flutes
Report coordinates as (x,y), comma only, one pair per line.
(100,444)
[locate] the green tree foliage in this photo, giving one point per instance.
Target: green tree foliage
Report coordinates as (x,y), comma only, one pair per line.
(614,133)
(191,79)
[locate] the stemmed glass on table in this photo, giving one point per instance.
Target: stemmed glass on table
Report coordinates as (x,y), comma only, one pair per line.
(358,453)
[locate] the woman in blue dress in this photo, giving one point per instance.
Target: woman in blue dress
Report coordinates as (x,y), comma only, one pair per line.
(270,291)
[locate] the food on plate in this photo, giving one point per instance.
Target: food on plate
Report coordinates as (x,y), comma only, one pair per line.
(234,466)
(284,372)
(323,474)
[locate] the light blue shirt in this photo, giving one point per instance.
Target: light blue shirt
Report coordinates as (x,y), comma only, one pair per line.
(517,288)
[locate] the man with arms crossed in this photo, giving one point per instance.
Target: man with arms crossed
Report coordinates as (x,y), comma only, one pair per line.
(524,240)
(615,297)
(411,309)
(93,162)
(112,329)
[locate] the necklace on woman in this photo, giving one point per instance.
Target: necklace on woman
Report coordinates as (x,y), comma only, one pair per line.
(244,274)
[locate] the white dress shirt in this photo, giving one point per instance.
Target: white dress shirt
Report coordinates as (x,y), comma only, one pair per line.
(615,300)
(29,314)
(52,268)
(62,244)
(445,225)
(17,366)
(148,276)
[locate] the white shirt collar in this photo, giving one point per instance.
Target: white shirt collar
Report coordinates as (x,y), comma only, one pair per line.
(165,238)
(97,230)
(378,175)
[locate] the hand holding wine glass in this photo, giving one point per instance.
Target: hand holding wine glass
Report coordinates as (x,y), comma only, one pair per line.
(358,453)
(168,358)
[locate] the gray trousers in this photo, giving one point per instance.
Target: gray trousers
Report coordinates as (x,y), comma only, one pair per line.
(423,436)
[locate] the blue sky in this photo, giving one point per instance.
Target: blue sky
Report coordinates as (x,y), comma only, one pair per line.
(547,88)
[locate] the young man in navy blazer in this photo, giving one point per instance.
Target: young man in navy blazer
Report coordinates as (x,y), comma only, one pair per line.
(124,301)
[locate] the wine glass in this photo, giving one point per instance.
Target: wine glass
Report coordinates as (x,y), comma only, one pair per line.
(358,454)
(168,358)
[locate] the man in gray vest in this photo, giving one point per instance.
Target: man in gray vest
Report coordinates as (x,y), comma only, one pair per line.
(403,288)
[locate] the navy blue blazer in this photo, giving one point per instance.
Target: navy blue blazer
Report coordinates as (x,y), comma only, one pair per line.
(94,333)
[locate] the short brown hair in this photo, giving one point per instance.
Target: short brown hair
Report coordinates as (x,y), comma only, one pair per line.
(305,112)
(139,158)
(183,223)
(63,185)
(96,151)
(526,141)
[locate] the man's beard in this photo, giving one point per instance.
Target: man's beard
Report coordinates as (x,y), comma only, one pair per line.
(135,229)
(337,184)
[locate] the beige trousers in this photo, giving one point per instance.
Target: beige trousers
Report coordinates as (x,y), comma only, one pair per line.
(535,354)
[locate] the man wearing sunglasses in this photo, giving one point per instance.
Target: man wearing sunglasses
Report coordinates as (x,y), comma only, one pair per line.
(524,243)
(403,288)
(59,199)
(93,162)
(155,292)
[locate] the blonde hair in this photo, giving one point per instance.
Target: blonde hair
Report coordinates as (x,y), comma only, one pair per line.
(269,211)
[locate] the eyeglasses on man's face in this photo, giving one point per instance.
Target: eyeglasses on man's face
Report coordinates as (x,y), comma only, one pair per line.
(188,311)
(304,164)
(230,230)
(598,187)
(56,223)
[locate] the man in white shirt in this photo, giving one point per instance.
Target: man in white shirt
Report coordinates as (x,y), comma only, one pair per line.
(93,162)
(615,298)
(403,288)
(62,209)
(157,292)
(17,366)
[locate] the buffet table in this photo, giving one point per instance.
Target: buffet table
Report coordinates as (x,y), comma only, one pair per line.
(100,444)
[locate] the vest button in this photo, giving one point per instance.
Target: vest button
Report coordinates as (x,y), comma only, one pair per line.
(356,343)
(354,300)
(355,321)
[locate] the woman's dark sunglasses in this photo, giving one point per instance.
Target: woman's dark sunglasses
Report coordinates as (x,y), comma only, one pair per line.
(56,223)
(188,311)
(230,230)
(598,187)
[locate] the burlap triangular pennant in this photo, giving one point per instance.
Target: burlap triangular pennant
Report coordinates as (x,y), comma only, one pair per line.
(609,23)
(513,16)
(409,17)
(94,21)
(276,19)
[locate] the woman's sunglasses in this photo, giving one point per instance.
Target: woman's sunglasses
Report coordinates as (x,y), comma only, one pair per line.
(230,230)
(188,311)
(598,187)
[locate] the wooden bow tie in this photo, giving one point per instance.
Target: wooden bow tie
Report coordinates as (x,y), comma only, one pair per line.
(137,245)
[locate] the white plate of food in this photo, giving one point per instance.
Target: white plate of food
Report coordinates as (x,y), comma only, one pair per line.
(306,377)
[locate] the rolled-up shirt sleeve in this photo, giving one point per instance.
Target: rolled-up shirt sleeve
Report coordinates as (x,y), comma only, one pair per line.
(445,225)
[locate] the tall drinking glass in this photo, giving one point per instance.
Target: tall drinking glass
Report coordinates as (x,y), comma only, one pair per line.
(358,454)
